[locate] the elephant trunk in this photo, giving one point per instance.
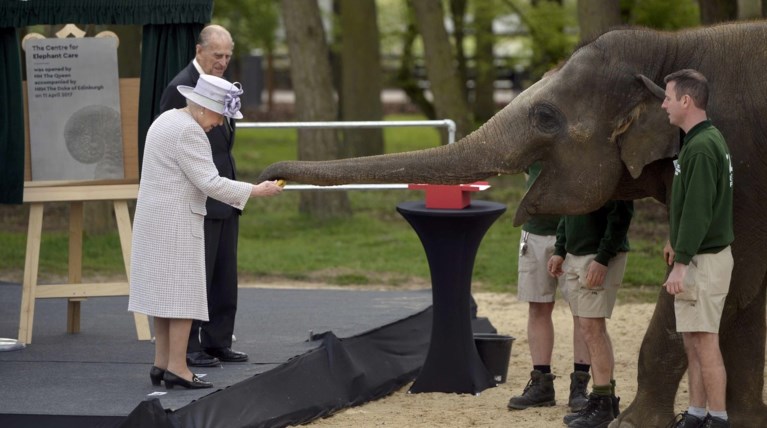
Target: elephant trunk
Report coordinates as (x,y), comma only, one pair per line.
(451,164)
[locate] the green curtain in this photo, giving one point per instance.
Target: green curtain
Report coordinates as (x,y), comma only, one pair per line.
(11,120)
(16,13)
(165,50)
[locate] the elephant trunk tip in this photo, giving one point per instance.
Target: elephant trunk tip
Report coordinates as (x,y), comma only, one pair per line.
(272,172)
(520,217)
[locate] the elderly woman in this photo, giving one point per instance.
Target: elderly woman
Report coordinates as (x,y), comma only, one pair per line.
(167,278)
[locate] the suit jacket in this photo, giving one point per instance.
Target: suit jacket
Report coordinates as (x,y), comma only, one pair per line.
(167,277)
(220,137)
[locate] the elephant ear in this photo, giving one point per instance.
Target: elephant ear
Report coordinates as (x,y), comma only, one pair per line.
(646,135)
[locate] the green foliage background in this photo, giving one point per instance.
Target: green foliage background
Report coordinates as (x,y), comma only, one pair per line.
(661,14)
(374,247)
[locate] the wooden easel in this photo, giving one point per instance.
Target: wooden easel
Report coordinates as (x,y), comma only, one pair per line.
(37,194)
(75,290)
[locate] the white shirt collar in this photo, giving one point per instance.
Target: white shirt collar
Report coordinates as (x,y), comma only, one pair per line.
(197,66)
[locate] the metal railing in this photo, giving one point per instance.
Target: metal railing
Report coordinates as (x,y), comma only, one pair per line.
(444,123)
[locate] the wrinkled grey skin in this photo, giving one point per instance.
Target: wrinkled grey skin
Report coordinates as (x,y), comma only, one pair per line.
(597,127)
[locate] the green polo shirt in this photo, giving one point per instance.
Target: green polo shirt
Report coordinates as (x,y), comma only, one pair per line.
(700,214)
(544,225)
(603,232)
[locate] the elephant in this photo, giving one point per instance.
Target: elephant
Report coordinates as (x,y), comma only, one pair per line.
(596,126)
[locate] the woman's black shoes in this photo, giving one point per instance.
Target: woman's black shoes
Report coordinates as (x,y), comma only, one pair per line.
(156,374)
(172,380)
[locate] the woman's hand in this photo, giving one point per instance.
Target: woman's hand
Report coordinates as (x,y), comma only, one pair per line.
(266,188)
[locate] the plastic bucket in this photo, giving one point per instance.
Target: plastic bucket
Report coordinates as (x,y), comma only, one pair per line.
(495,351)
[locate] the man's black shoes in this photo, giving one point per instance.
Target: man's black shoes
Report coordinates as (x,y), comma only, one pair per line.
(201,359)
(213,357)
(227,355)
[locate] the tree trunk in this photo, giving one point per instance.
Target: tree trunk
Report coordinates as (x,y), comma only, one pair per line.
(406,79)
(597,16)
(361,80)
(457,14)
(749,9)
(715,11)
(315,100)
(484,83)
(444,82)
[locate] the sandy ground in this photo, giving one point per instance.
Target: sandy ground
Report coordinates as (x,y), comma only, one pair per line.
(488,409)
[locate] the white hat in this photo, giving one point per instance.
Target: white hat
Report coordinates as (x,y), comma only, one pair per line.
(215,94)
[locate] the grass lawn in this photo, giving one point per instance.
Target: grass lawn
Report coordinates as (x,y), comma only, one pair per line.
(375,246)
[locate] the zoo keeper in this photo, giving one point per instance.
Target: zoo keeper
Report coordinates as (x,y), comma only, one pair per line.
(700,217)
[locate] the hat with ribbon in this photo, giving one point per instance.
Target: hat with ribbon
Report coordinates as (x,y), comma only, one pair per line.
(215,94)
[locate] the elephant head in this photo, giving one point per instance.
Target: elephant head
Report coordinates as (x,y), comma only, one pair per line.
(596,126)
(592,123)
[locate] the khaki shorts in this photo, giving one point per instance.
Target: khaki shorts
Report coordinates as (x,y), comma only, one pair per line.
(699,307)
(592,302)
(534,284)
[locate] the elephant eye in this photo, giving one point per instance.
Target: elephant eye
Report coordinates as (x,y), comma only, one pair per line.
(546,118)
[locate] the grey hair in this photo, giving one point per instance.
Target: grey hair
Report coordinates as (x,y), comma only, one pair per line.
(214,31)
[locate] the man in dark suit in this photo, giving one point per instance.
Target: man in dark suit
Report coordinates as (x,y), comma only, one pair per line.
(211,342)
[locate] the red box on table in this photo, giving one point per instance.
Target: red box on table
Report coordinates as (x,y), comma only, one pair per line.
(449,197)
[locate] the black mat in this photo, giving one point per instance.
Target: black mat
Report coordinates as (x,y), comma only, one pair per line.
(103,371)
(339,373)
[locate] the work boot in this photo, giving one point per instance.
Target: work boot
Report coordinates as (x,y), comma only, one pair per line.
(579,394)
(616,411)
(539,392)
(573,416)
(686,420)
(714,422)
(598,413)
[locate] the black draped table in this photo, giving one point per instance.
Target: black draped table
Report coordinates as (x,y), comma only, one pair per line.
(451,238)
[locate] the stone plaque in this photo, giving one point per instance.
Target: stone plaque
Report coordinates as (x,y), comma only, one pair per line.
(74,109)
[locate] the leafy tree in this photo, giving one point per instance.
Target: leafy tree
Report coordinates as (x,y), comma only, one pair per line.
(484,60)
(444,82)
(406,78)
(750,9)
(458,17)
(253,25)
(661,14)
(715,11)
(597,16)
(546,22)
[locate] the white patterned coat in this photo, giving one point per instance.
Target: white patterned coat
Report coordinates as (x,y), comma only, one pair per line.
(167,277)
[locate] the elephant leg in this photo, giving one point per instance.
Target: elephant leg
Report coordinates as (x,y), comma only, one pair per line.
(661,366)
(742,340)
